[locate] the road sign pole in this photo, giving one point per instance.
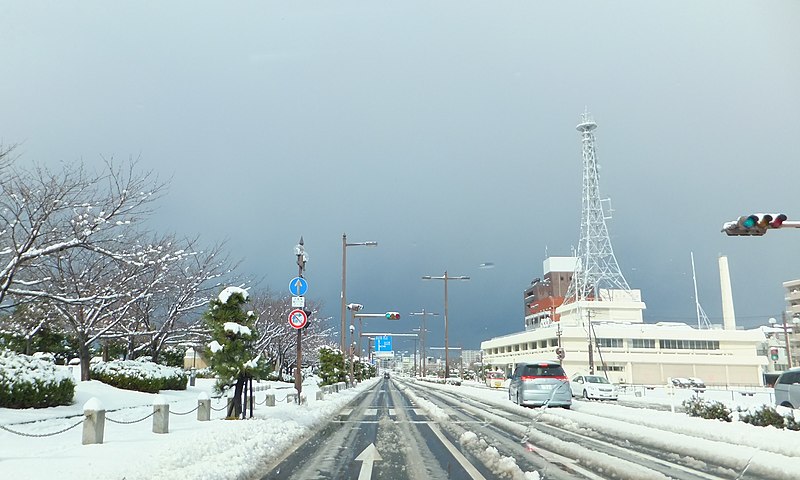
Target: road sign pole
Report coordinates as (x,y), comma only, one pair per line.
(298,286)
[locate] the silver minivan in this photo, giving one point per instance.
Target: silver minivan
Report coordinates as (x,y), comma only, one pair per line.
(538,383)
(787,388)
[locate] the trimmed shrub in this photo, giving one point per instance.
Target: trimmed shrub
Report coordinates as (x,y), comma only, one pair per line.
(763,416)
(142,376)
(709,409)
(792,423)
(28,382)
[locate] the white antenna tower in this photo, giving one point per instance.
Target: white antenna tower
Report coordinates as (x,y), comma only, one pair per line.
(596,267)
(702,318)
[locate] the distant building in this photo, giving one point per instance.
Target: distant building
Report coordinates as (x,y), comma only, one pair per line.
(628,349)
(470,357)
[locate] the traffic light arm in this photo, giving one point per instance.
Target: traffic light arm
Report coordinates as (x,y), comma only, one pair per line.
(757,225)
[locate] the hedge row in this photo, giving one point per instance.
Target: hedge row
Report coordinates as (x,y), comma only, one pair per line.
(28,382)
(140,376)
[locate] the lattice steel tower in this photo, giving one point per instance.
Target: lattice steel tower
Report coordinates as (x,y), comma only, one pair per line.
(597,266)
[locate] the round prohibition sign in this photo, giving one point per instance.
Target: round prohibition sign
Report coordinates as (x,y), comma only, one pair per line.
(298,319)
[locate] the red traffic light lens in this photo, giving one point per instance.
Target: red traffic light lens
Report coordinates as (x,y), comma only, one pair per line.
(778,221)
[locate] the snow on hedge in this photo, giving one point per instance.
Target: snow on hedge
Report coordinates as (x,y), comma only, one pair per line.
(228,291)
(16,368)
(135,368)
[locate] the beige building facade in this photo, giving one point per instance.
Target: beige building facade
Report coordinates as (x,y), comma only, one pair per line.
(639,353)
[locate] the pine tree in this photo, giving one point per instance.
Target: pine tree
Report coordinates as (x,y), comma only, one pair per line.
(231,351)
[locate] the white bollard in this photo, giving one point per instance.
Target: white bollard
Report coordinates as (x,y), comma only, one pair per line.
(161,415)
(203,407)
(94,421)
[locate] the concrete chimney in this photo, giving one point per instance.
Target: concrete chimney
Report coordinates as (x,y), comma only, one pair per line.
(728,317)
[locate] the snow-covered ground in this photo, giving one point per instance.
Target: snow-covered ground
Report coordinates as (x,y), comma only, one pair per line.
(218,449)
(772,452)
(222,449)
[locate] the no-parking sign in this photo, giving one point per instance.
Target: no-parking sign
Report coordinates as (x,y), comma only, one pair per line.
(298,319)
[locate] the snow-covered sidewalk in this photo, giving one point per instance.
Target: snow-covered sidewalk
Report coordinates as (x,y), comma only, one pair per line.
(218,449)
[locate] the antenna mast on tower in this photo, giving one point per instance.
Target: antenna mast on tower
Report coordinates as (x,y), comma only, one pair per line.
(702,318)
(597,266)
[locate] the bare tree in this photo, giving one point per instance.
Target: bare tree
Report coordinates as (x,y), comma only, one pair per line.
(189,285)
(93,293)
(276,339)
(43,213)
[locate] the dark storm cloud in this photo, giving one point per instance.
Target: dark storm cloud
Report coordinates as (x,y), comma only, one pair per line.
(442,130)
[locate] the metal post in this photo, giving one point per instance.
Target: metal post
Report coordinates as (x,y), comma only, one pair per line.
(786,338)
(298,375)
(344,288)
(446,278)
(446,347)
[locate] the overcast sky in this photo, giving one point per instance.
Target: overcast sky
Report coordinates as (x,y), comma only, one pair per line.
(443,130)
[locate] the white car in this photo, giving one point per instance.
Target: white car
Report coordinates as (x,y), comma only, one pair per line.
(593,387)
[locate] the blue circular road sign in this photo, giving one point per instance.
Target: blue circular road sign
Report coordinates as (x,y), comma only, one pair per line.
(298,286)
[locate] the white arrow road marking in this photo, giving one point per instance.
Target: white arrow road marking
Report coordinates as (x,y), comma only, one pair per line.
(369,456)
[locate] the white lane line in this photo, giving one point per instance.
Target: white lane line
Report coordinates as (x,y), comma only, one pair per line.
(346,412)
(392,412)
(470,468)
(371,412)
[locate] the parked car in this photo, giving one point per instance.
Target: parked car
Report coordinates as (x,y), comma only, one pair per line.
(696,382)
(540,383)
(385,374)
(593,387)
(787,388)
(681,382)
(495,379)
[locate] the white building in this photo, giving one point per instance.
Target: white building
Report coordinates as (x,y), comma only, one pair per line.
(630,350)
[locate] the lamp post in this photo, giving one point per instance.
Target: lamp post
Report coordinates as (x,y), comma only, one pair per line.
(422,332)
(302,258)
(344,283)
(446,278)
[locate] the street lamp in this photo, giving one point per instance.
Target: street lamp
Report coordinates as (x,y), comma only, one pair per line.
(422,332)
(344,282)
(446,279)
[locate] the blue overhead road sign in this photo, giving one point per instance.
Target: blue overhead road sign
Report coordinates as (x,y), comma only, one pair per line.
(298,286)
(383,343)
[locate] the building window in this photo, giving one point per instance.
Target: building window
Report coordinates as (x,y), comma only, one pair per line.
(609,342)
(543,344)
(610,368)
(643,343)
(553,342)
(689,344)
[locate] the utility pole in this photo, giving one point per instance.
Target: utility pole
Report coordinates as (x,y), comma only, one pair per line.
(589,315)
(422,332)
(446,279)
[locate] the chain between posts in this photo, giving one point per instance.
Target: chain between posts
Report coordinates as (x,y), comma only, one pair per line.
(124,422)
(185,413)
(39,435)
(223,408)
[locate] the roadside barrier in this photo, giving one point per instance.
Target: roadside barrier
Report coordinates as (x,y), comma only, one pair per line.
(95,415)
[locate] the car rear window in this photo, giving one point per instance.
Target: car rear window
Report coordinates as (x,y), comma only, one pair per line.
(543,370)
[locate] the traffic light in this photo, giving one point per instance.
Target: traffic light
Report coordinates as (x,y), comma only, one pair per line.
(754,225)
(773,353)
(392,316)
